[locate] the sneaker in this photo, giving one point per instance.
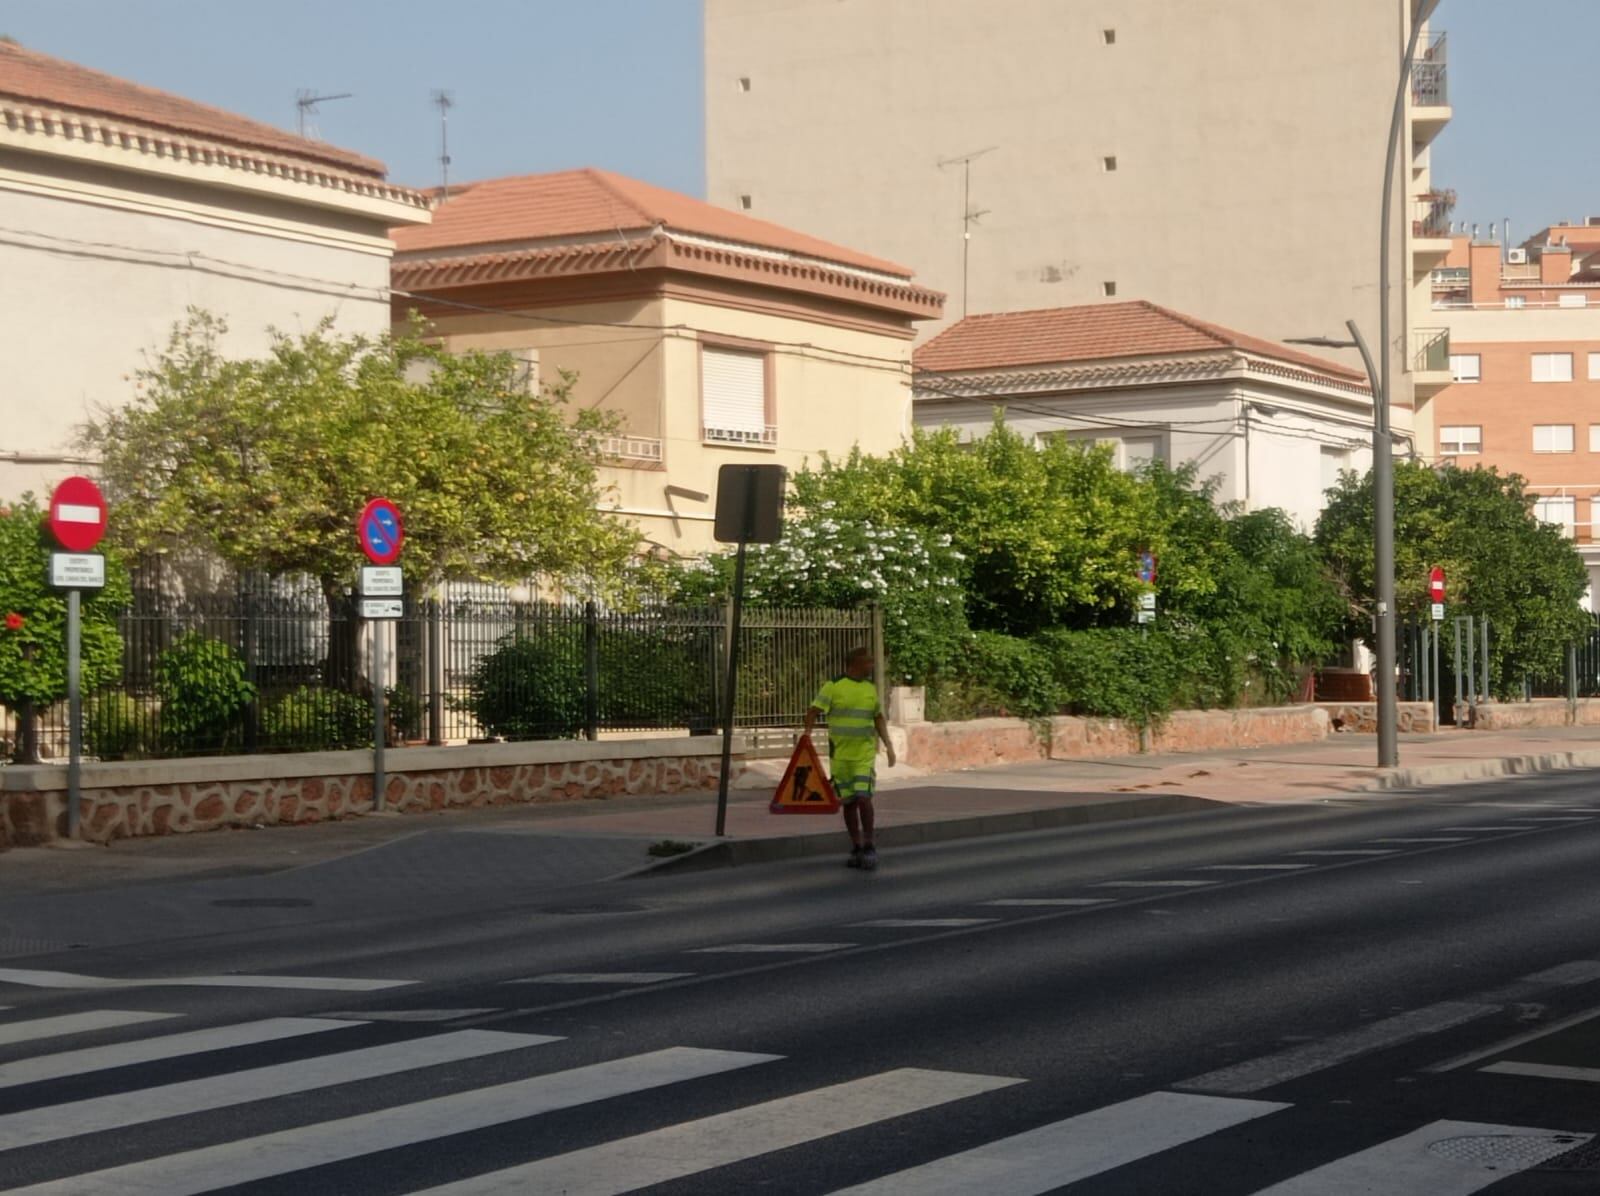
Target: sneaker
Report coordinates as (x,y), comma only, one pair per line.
(869,859)
(856,860)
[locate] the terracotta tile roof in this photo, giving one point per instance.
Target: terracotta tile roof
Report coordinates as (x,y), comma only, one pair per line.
(589,202)
(1095,332)
(36,78)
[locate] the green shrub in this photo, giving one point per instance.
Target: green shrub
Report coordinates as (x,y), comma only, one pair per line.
(314,718)
(403,710)
(529,688)
(114,726)
(1008,675)
(203,693)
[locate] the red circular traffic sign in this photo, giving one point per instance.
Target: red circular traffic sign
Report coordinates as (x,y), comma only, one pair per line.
(381,531)
(77,514)
(1436,584)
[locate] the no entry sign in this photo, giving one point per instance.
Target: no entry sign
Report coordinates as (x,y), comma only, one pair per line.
(77,514)
(1436,584)
(381,531)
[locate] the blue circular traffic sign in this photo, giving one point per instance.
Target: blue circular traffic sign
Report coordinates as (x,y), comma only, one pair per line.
(381,531)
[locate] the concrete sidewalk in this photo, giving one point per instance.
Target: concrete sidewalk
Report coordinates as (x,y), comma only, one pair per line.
(912,808)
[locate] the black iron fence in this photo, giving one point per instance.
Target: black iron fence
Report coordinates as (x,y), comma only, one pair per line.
(278,667)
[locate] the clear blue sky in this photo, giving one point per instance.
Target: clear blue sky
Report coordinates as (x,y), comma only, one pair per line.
(550,84)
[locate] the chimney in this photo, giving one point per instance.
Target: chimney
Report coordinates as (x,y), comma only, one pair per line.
(1555,264)
(1484,261)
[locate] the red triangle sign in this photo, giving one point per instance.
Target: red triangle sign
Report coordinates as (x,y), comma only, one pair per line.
(805,788)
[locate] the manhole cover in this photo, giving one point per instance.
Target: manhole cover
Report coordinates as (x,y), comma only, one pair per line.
(1510,1152)
(617,908)
(263,903)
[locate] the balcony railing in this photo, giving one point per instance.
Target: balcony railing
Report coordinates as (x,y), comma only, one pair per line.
(1452,278)
(630,448)
(766,436)
(1429,82)
(1430,350)
(1430,214)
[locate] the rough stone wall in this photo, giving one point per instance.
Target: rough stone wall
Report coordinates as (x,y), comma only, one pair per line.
(944,747)
(1362,717)
(1544,712)
(28,818)
(1208,730)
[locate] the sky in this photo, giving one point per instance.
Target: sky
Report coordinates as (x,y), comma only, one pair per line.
(553,84)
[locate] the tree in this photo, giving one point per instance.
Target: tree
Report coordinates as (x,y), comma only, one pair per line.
(33,623)
(1502,562)
(268,461)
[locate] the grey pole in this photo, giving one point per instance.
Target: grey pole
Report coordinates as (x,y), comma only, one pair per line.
(1383,452)
(1457,640)
(1483,691)
(1436,694)
(379,780)
(74,712)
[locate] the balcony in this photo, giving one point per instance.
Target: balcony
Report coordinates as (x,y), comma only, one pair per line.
(630,450)
(762,437)
(1430,94)
(1430,361)
(1451,279)
(1430,231)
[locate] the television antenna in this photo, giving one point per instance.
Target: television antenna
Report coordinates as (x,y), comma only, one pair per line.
(969,214)
(444,101)
(306,101)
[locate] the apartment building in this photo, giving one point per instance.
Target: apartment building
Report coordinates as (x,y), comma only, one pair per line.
(1524,326)
(1031,154)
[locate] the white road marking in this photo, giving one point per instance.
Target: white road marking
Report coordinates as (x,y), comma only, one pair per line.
(1458,839)
(50,1123)
(1579,971)
(1152,884)
(771,948)
(602,978)
(75,1023)
(1063,1152)
(1544,1071)
(36,979)
(913,923)
(1508,1044)
(691,1147)
(1562,818)
(1255,867)
(167,1046)
(1405,1165)
(1282,1066)
(1352,851)
(209,1168)
(1052,901)
(404,1015)
(1483,829)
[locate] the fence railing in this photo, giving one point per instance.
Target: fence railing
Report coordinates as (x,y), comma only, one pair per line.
(274,668)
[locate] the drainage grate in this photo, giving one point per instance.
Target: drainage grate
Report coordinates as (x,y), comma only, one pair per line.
(263,903)
(1512,1152)
(616,908)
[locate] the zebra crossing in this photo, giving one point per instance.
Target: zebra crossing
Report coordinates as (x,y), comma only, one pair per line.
(114,1093)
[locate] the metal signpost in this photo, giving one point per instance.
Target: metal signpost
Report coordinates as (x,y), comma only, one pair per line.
(382,534)
(77,520)
(1436,600)
(749,511)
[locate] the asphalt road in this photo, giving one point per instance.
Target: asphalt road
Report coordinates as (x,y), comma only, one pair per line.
(1390,995)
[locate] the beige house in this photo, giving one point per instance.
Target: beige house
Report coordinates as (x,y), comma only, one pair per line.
(1224,158)
(715,337)
(121,207)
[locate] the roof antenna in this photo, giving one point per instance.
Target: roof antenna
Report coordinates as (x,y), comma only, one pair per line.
(969,214)
(444,101)
(306,101)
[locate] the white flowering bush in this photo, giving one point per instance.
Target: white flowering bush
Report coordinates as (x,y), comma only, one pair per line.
(823,561)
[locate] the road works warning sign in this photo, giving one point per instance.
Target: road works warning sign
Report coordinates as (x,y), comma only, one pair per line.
(805,788)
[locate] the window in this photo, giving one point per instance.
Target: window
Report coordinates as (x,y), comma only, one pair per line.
(1552,438)
(1515,301)
(1460,441)
(1108,289)
(1552,367)
(1563,512)
(735,406)
(1140,450)
(1578,300)
(744,203)
(1594,438)
(1334,462)
(1594,367)
(1108,163)
(1466,367)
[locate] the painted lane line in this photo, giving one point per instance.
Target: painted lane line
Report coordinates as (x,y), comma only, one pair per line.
(692,1147)
(602,978)
(167,1046)
(406,1015)
(1579,971)
(772,948)
(1063,1152)
(36,979)
(1026,901)
(1512,805)
(1410,841)
(1282,1066)
(209,1168)
(53,1122)
(1562,818)
(1255,867)
(913,923)
(1510,1044)
(1368,851)
(1406,1165)
(75,1023)
(1483,830)
(1545,1071)
(1152,884)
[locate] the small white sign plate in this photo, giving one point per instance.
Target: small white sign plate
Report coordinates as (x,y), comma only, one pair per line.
(381,581)
(1438,612)
(77,570)
(1147,602)
(382,608)
(1147,616)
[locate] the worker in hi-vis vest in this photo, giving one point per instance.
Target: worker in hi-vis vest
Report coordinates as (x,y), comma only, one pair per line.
(855,727)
